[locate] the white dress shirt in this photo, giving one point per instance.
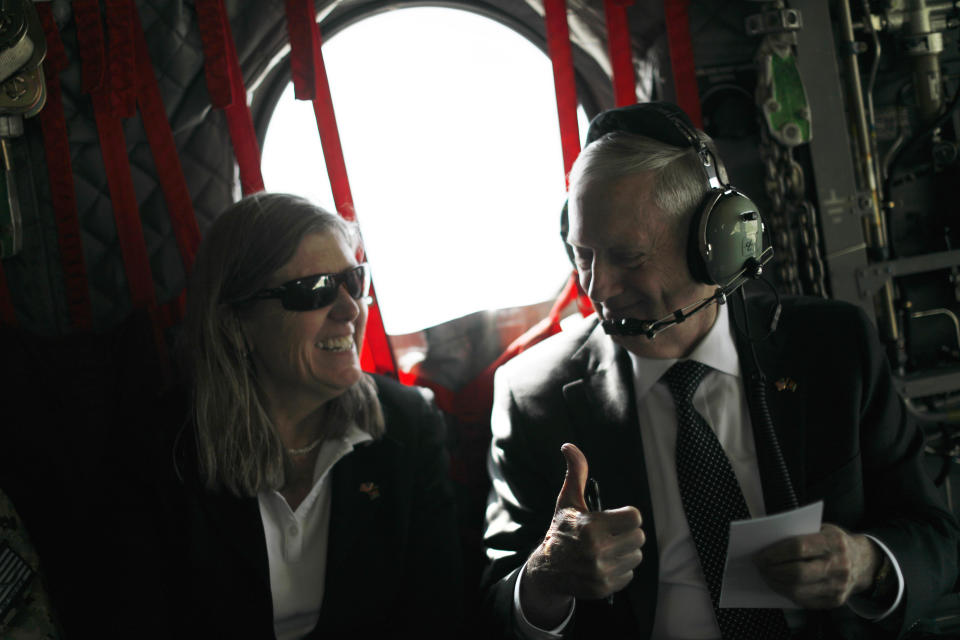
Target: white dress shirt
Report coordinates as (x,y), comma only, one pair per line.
(297,543)
(684,610)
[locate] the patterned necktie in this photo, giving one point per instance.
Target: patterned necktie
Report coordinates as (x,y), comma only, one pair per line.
(711,500)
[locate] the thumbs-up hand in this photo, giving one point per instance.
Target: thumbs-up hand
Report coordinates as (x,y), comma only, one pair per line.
(575,482)
(585,554)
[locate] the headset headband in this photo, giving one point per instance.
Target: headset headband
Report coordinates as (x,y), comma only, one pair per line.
(661,121)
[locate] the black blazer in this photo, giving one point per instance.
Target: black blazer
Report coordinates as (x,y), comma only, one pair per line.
(841,427)
(185,562)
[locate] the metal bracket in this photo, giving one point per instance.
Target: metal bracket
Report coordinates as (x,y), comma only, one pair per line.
(782,95)
(778,21)
(923,384)
(923,44)
(835,209)
(874,276)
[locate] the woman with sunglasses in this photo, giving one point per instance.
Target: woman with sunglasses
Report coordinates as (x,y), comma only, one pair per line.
(307,498)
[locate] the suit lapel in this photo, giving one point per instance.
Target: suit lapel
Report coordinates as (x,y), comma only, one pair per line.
(785,393)
(603,407)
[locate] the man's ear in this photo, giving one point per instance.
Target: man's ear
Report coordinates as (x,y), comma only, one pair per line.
(564,230)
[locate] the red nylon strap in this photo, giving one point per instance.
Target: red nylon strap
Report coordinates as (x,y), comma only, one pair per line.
(322,101)
(223,72)
(302,44)
(113,147)
(121,60)
(561,55)
(60,173)
(164,150)
(91,43)
(681,59)
(621,54)
(8,317)
(376,356)
(306,62)
(210,17)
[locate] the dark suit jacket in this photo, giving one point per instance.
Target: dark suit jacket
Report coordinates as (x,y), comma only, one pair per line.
(842,430)
(184,562)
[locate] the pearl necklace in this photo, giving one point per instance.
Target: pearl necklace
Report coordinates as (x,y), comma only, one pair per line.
(307,449)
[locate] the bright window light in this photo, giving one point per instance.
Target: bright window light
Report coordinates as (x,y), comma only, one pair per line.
(449,129)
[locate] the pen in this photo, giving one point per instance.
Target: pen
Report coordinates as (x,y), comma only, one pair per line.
(592,497)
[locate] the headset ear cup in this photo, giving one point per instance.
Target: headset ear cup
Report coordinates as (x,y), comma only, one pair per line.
(728,235)
(695,248)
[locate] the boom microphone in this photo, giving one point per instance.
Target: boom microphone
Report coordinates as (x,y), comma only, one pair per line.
(752,269)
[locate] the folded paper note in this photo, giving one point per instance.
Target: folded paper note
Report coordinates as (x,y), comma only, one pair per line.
(742,584)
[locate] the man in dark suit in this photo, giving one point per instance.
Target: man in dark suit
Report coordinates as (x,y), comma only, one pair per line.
(643,566)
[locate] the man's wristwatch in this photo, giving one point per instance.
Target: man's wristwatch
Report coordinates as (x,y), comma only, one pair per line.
(882,588)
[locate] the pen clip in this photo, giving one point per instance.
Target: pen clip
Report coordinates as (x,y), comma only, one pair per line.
(592,495)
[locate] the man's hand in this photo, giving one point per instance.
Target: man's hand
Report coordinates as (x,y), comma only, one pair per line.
(584,555)
(821,570)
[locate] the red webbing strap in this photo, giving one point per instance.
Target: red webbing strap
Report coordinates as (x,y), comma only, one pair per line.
(305,53)
(91,44)
(681,59)
(376,356)
(310,83)
(121,61)
(299,16)
(621,54)
(561,55)
(164,150)
(210,17)
(8,317)
(227,92)
(113,147)
(564,82)
(543,329)
(53,125)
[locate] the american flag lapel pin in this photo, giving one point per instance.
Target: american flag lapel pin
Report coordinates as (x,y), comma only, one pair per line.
(371,489)
(785,384)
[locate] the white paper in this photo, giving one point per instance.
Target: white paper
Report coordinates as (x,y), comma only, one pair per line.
(742,584)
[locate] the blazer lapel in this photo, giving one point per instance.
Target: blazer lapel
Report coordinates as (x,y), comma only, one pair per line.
(603,406)
(785,395)
(239,524)
(236,520)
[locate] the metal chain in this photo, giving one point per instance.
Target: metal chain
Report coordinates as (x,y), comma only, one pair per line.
(800,269)
(782,101)
(783,237)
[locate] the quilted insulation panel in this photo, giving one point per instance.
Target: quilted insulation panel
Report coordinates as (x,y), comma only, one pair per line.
(35,275)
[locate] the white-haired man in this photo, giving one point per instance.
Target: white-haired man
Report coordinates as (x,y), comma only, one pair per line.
(671,428)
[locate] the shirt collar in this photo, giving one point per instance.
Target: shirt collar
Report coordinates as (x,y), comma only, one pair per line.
(716,350)
(332,450)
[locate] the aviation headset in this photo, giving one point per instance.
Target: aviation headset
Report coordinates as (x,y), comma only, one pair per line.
(725,245)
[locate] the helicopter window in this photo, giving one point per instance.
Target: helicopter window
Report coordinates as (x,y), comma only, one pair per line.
(449,129)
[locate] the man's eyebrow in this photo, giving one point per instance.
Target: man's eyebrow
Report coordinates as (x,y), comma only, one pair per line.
(629,251)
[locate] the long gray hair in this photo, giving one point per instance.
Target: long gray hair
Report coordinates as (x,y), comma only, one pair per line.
(238,446)
(679,185)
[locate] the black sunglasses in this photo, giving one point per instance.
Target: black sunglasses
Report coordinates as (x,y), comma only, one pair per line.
(316,291)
